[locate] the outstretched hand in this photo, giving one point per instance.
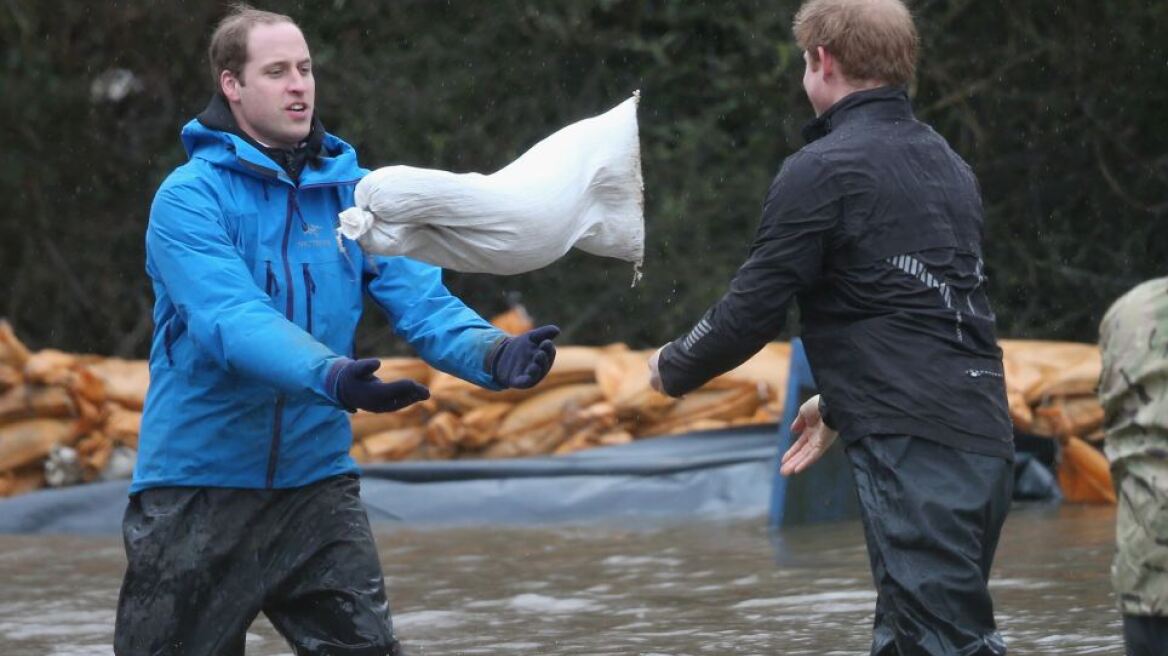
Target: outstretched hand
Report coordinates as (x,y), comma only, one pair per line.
(523,360)
(358,388)
(815,438)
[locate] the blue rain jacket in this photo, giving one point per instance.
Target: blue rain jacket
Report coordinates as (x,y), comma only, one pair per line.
(256,308)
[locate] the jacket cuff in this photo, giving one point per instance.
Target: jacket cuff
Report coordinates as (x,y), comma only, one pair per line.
(825,414)
(491,360)
(332,380)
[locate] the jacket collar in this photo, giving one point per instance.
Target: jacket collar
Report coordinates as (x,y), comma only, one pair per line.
(887,103)
(216,137)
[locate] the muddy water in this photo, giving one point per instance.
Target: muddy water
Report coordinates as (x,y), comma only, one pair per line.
(700,588)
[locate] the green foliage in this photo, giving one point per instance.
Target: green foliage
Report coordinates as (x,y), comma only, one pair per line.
(1055,104)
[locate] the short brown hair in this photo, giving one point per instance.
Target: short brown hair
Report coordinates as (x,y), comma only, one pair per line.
(874,40)
(228,49)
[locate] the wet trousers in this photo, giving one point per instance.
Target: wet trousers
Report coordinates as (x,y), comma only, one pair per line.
(932,516)
(1145,635)
(204,562)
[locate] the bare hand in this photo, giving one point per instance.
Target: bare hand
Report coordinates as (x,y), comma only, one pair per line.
(815,438)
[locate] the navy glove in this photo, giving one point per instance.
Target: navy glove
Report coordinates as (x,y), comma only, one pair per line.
(523,360)
(357,387)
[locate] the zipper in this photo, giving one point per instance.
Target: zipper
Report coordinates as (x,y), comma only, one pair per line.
(978,373)
(167,340)
(272,287)
(274,453)
(289,307)
(310,289)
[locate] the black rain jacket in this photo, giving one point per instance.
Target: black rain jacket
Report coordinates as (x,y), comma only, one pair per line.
(875,227)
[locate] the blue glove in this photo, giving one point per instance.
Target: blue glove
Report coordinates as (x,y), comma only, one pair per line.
(358,388)
(523,360)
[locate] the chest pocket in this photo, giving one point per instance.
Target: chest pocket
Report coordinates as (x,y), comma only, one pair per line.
(326,280)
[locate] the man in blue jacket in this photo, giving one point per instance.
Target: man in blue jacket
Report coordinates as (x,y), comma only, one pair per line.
(244,498)
(875,229)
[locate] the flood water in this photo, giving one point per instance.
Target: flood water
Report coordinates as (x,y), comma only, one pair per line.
(698,588)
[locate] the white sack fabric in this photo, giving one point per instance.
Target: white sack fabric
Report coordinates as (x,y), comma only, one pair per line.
(579,187)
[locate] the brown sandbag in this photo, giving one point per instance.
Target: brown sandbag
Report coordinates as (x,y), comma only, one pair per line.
(29,441)
(513,321)
(12,350)
(1062,416)
(123,425)
(1084,474)
(393,445)
(444,435)
(20,481)
(50,367)
(574,364)
(414,369)
(548,408)
(1078,378)
(722,405)
(28,401)
(623,376)
(482,424)
(125,381)
(768,368)
(536,425)
(10,377)
(368,423)
(1045,368)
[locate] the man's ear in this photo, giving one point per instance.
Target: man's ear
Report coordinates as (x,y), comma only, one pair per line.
(229,85)
(826,61)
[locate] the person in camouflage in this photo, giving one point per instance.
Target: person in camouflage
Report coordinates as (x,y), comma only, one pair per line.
(1133,389)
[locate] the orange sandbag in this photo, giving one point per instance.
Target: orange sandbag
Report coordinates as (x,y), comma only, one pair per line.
(482,424)
(1084,474)
(444,434)
(414,369)
(125,381)
(12,350)
(25,479)
(1044,368)
(574,364)
(29,441)
(513,321)
(50,367)
(10,377)
(396,444)
(28,401)
(767,368)
(368,423)
(623,376)
(1062,416)
(537,425)
(724,405)
(123,425)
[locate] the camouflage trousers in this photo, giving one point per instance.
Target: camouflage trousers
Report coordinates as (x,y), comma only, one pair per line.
(1140,570)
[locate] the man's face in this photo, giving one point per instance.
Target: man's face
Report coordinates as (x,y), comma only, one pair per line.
(273,102)
(814,83)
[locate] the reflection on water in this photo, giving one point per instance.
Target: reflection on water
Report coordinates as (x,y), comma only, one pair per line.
(700,588)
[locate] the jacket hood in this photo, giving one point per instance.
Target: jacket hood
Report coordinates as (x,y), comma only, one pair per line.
(215,137)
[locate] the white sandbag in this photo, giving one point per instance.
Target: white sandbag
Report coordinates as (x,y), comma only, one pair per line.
(579,187)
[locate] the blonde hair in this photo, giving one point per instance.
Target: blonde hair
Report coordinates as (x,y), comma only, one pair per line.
(228,49)
(873,40)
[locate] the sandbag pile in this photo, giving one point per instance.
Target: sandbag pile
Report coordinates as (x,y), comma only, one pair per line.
(592,396)
(1051,387)
(65,418)
(68,418)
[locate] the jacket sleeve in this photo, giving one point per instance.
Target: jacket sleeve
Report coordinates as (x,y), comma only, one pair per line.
(786,257)
(445,332)
(228,316)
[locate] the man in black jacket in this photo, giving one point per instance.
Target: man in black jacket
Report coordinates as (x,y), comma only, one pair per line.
(875,227)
